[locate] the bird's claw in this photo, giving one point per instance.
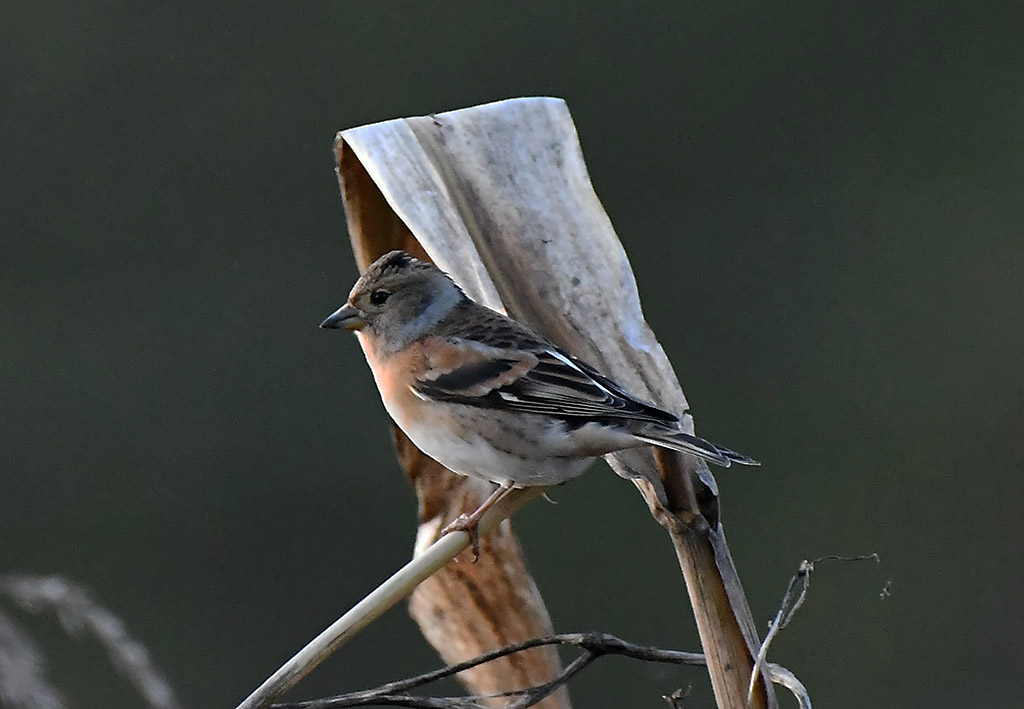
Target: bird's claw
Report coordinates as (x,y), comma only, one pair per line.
(469,525)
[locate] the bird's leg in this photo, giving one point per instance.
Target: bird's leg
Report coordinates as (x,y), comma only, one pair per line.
(470,523)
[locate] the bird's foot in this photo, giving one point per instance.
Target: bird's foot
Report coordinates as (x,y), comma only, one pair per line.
(470,524)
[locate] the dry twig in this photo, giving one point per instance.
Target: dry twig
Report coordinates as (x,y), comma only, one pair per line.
(594,645)
(794,597)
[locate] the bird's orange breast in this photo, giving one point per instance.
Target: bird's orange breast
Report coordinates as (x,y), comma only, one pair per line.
(395,373)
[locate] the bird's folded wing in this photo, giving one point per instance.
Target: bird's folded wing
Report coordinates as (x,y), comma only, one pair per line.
(542,381)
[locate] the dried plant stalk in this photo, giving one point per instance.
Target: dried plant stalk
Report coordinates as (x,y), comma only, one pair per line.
(464,609)
(499,197)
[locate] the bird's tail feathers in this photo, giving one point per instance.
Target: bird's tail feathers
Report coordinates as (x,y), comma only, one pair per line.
(687,443)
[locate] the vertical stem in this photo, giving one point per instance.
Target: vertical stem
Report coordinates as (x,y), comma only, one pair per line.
(721,617)
(729,659)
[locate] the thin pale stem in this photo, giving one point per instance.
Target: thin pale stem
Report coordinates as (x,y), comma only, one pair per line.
(379,600)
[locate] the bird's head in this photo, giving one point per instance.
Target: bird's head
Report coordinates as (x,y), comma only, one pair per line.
(397,300)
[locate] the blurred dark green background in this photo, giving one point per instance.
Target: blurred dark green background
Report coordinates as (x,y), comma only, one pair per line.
(823,205)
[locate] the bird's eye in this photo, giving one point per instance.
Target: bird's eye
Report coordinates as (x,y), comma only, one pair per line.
(378,297)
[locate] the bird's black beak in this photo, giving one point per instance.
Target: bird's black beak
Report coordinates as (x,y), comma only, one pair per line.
(347,317)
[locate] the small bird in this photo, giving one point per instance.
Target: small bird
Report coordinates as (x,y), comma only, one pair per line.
(488,397)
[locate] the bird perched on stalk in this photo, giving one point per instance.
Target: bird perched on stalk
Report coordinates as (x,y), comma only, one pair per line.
(488,397)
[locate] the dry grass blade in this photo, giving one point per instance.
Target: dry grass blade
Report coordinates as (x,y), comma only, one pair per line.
(80,614)
(22,684)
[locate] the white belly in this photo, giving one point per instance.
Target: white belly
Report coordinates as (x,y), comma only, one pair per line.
(499,448)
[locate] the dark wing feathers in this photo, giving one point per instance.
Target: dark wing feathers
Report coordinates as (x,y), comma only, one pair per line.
(612,387)
(577,389)
(556,385)
(471,375)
